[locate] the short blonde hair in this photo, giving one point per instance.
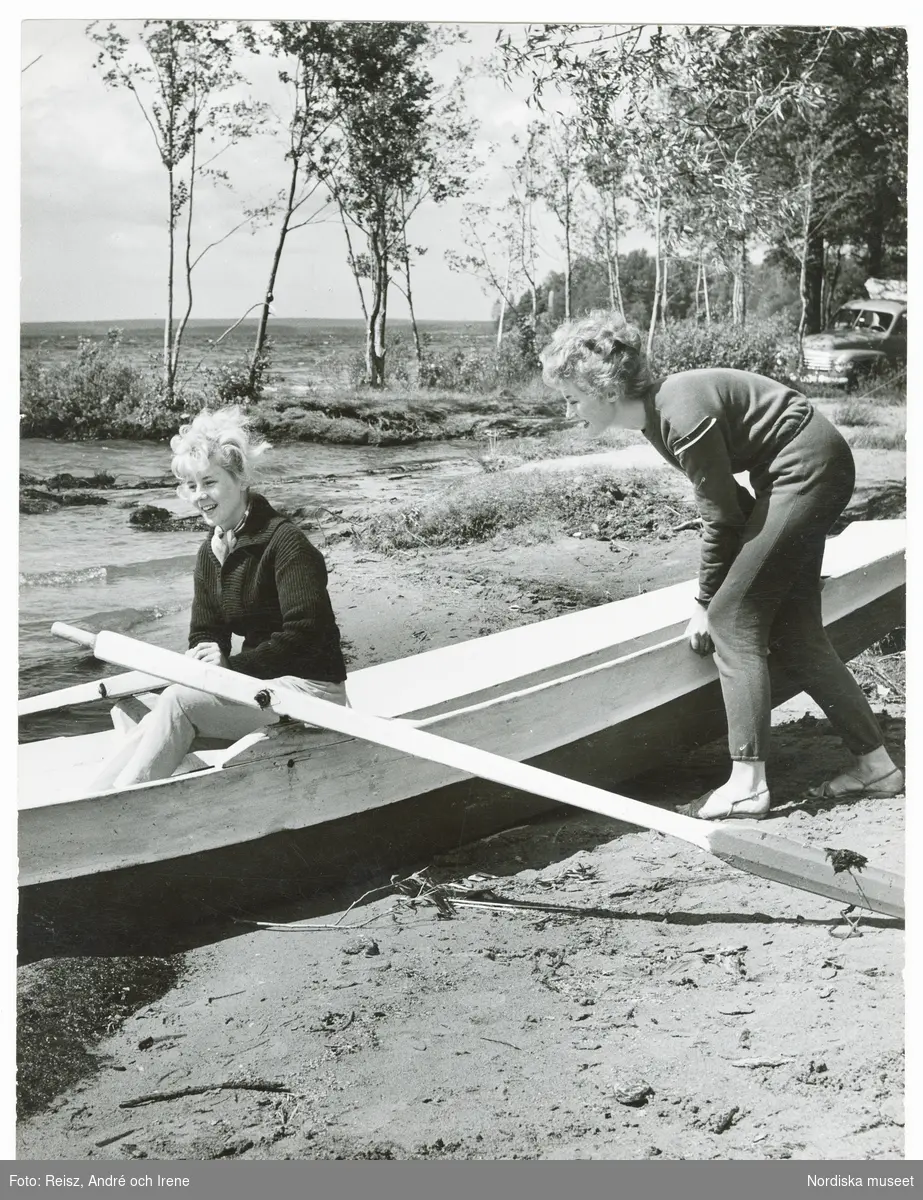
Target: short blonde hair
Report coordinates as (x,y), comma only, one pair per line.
(222,436)
(601,352)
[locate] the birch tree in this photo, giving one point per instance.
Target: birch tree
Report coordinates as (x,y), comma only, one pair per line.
(180,74)
(502,248)
(841,163)
(449,141)
(693,103)
(559,150)
(312,53)
(493,253)
(605,173)
(387,145)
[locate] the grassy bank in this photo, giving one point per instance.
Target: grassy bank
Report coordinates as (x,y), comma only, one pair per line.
(518,423)
(868,423)
(532,507)
(404,415)
(524,423)
(535,506)
(462,388)
(563,443)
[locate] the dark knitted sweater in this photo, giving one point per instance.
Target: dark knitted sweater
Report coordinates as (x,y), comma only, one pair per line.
(272,590)
(713,424)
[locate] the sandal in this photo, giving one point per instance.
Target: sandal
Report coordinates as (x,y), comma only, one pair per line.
(871,789)
(756,806)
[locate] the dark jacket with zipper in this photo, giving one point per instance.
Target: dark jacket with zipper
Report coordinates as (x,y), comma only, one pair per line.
(272,590)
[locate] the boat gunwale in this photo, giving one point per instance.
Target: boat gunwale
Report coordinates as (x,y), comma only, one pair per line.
(879,570)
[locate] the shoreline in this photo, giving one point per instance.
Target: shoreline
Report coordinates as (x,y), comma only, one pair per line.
(497,420)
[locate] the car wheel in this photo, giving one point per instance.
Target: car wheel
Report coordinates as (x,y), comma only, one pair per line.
(860,375)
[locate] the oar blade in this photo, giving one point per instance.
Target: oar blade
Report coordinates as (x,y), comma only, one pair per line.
(809,868)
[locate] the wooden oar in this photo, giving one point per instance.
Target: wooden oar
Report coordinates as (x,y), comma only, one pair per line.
(113,688)
(745,847)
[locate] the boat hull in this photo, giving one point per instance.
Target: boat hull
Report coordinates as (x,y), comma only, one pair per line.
(372,814)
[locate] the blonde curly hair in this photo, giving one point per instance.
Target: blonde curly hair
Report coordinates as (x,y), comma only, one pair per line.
(601,352)
(222,436)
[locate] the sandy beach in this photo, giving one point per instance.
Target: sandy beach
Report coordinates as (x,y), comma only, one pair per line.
(602,992)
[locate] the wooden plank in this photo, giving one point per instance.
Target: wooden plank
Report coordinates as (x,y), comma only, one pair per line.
(800,869)
(113,688)
(760,852)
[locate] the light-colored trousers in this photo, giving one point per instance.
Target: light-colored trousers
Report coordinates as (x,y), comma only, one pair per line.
(161,740)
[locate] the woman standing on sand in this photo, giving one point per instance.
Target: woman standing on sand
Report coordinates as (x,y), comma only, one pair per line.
(256,575)
(760,569)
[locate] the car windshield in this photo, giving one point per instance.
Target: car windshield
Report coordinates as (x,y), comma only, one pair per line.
(872,319)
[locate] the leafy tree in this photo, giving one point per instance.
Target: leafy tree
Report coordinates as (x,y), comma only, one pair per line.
(178,72)
(605,172)
(499,251)
(502,246)
(719,126)
(386,154)
(311,53)
(450,138)
(841,165)
(525,190)
(558,146)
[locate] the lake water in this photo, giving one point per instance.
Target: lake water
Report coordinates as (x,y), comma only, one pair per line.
(90,567)
(308,352)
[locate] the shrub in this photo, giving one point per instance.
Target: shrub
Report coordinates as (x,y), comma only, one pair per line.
(96,394)
(767,347)
(470,367)
(401,366)
(99,394)
(230,382)
(463,368)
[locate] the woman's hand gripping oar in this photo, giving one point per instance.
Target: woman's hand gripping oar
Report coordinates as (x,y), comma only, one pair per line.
(747,848)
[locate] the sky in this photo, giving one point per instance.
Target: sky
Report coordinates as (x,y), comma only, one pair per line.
(93,242)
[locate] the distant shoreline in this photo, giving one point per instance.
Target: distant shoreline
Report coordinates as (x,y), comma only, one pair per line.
(32,327)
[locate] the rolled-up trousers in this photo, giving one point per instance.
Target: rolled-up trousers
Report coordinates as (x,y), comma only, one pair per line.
(770,600)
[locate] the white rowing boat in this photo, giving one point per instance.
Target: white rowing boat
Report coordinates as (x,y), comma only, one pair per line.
(598,696)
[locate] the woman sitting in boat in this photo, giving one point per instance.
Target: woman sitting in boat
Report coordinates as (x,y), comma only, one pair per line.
(760,568)
(256,575)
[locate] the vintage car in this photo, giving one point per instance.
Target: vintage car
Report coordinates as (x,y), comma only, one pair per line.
(864,337)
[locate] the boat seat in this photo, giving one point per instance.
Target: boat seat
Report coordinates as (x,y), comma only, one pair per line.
(289,738)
